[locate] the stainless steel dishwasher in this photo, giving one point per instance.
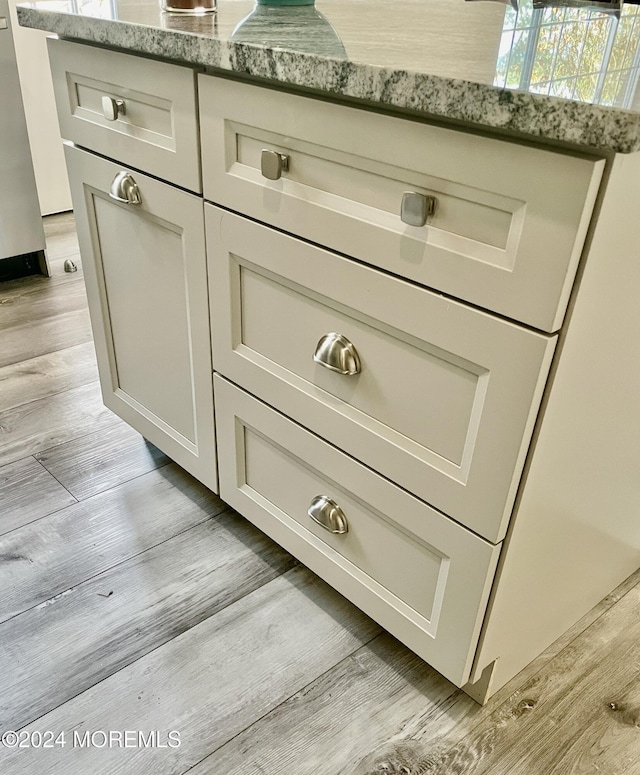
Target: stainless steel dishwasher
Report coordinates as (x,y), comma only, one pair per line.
(22,242)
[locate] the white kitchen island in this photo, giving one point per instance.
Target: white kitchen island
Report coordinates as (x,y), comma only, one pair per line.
(383,301)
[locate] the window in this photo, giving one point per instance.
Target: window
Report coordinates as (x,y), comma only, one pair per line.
(573,53)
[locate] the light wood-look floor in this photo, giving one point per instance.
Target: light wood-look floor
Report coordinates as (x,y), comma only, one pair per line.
(132,599)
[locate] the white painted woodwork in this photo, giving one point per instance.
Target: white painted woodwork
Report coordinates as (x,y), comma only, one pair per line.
(158,132)
(146,280)
(447,396)
(416,572)
(380,705)
(576,531)
(40,112)
(510,223)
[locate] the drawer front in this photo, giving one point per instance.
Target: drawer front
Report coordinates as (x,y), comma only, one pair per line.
(155,128)
(416,572)
(509,223)
(445,398)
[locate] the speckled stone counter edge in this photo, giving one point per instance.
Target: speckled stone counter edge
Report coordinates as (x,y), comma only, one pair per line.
(521,113)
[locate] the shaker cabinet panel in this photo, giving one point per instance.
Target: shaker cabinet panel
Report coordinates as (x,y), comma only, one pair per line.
(146,279)
(412,569)
(441,398)
(138,111)
(490,222)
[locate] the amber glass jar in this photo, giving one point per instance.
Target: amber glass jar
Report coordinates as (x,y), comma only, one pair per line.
(195,7)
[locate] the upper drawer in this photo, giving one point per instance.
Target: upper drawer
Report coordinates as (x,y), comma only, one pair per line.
(149,119)
(509,223)
(445,397)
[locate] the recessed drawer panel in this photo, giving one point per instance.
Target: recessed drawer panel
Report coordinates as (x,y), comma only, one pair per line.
(419,574)
(442,399)
(509,220)
(137,111)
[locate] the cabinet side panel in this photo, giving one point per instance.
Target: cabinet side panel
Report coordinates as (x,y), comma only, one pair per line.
(576,534)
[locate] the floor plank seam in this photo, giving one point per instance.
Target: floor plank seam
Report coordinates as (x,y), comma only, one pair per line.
(49,395)
(106,489)
(37,519)
(257,720)
(74,438)
(48,514)
(36,452)
(9,287)
(111,567)
(77,500)
(58,278)
(46,351)
(20,727)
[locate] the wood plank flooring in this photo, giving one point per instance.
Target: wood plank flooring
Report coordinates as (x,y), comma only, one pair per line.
(132,599)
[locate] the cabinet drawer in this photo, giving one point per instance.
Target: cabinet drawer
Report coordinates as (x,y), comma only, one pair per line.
(446,396)
(419,574)
(509,223)
(155,129)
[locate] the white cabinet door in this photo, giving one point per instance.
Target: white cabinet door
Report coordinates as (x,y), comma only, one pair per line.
(146,279)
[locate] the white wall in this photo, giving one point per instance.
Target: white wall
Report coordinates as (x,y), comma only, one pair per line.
(42,121)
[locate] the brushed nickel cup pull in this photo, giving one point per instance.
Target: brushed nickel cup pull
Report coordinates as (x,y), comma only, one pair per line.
(125,189)
(416,208)
(337,353)
(112,108)
(328,515)
(273,164)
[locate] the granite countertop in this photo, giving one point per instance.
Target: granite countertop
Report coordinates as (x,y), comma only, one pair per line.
(567,75)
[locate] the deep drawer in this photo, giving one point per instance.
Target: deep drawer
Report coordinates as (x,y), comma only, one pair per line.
(446,396)
(416,572)
(510,220)
(156,126)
